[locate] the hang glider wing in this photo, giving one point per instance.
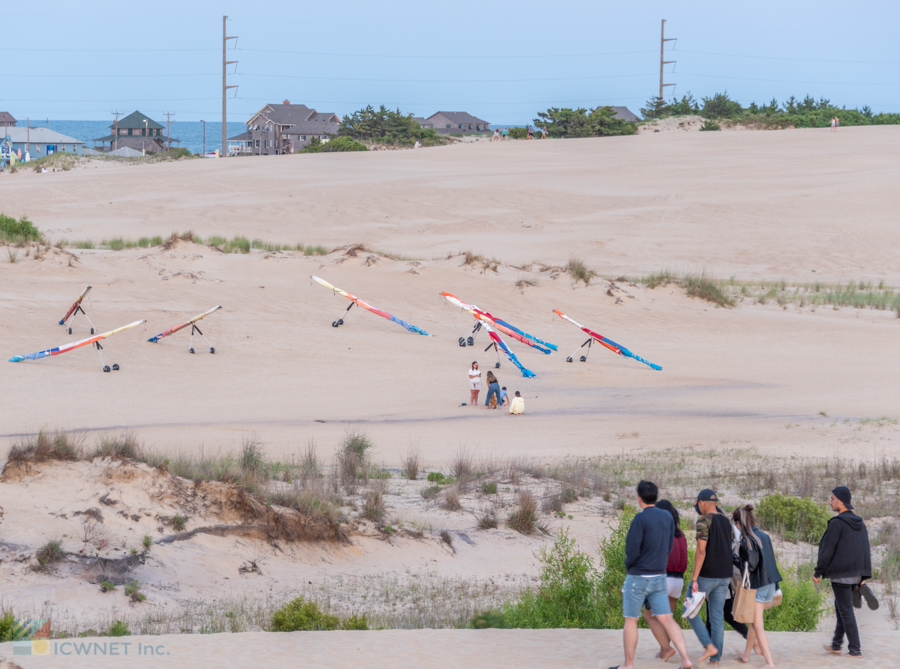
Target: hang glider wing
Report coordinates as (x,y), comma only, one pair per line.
(497,324)
(183,325)
(369,307)
(70,347)
(608,343)
(527,373)
(74,306)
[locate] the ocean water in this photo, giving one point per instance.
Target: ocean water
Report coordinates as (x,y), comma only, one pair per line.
(189,132)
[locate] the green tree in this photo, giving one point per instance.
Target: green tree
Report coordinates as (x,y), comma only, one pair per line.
(721,106)
(656,107)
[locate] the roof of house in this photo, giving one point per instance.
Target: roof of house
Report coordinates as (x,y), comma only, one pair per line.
(243,137)
(624,113)
(459,117)
(6,117)
(283,114)
(36,136)
(125,152)
(136,120)
(314,128)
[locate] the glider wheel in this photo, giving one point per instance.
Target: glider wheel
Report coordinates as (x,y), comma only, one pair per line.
(497,365)
(583,359)
(70,330)
(569,359)
(334,324)
(471,341)
(106,368)
(116,367)
(190,350)
(212,349)
(92,330)
(462,341)
(340,321)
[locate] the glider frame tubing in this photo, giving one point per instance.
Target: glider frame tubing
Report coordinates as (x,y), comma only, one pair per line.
(469,339)
(583,358)
(106,368)
(409,327)
(74,310)
(493,345)
(94,342)
(340,321)
(194,329)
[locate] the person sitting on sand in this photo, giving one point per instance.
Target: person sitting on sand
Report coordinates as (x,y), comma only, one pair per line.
(503,394)
(474,384)
(517,406)
(493,390)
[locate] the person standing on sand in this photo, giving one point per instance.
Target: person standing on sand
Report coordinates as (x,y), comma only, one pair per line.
(648,545)
(496,137)
(675,568)
(543,132)
(845,558)
(712,572)
(474,384)
(505,134)
(530,132)
(493,389)
(517,406)
(833,123)
(758,557)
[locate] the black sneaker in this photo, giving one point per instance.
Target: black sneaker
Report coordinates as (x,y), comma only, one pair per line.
(857,598)
(868,595)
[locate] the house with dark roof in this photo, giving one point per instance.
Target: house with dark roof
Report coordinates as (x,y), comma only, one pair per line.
(624,113)
(136,131)
(286,128)
(7,120)
(447,122)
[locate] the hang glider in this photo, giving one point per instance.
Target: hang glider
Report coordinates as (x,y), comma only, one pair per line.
(75,309)
(497,324)
(600,339)
(527,373)
(194,328)
(78,344)
(365,305)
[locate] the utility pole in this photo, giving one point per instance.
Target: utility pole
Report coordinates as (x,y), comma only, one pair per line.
(27,138)
(204,136)
(168,134)
(225,86)
(662,61)
(116,129)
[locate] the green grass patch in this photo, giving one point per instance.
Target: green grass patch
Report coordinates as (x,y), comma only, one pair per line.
(15,231)
(795,518)
(301,615)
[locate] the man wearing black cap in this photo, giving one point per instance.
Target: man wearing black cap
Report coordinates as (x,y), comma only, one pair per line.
(712,572)
(846,559)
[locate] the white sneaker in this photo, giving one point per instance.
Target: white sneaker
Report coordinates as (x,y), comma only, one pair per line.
(692,604)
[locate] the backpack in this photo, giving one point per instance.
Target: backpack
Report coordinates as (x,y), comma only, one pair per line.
(750,553)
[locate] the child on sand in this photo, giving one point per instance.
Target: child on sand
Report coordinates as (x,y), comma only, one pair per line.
(517,406)
(474,384)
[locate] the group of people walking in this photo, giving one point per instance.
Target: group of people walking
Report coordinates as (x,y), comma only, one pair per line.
(497,396)
(502,134)
(734,570)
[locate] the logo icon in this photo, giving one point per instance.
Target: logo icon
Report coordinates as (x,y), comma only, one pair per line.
(31,636)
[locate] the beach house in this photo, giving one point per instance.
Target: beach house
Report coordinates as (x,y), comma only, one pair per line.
(283,128)
(7,120)
(36,142)
(624,113)
(456,122)
(136,131)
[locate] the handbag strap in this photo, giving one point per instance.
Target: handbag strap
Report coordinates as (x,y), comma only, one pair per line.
(745,577)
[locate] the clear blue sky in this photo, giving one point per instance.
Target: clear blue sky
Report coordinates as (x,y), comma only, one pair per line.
(501,61)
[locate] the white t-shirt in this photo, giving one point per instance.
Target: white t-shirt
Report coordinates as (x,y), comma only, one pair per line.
(474,379)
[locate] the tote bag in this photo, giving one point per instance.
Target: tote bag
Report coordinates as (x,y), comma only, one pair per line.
(744,608)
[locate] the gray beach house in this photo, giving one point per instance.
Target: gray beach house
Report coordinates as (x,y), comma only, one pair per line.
(286,128)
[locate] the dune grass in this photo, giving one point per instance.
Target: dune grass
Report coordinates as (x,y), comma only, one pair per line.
(18,231)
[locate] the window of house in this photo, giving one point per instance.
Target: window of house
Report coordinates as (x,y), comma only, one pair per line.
(302,138)
(257,144)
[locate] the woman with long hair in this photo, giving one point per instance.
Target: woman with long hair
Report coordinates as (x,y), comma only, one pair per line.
(474,384)
(493,389)
(675,569)
(758,558)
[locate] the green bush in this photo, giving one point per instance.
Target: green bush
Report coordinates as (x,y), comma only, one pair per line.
(316,145)
(7,626)
(436,477)
(599,122)
(118,628)
(795,518)
(709,125)
(21,230)
(803,603)
(107,586)
(518,133)
(301,615)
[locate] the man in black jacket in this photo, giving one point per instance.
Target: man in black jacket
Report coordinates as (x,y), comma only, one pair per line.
(846,559)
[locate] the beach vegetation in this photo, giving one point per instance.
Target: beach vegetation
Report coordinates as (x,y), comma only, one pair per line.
(383,126)
(50,552)
(487,520)
(579,270)
(794,518)
(451,498)
(118,628)
(411,463)
(301,615)
(18,230)
(710,125)
(599,122)
(524,518)
(107,586)
(335,144)
(7,626)
(133,592)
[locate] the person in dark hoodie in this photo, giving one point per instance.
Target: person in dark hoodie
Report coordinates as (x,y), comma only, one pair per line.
(846,559)
(647,547)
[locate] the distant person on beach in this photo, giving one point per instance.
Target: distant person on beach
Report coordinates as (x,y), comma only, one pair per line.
(544,132)
(474,384)
(505,134)
(493,389)
(675,568)
(503,394)
(496,137)
(758,558)
(418,145)
(648,545)
(530,132)
(712,572)
(845,558)
(517,406)
(833,123)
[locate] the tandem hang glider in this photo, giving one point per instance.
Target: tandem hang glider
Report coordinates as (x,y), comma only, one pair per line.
(492,324)
(194,328)
(95,340)
(355,300)
(600,339)
(75,309)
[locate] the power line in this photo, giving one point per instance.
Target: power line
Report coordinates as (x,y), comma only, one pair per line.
(786,81)
(438,57)
(803,60)
(443,81)
(104,50)
(104,76)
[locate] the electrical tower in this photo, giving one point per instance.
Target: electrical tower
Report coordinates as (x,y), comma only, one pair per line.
(225,86)
(662,61)
(116,129)
(168,134)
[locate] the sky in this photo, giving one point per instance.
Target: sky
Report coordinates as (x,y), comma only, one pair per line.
(501,61)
